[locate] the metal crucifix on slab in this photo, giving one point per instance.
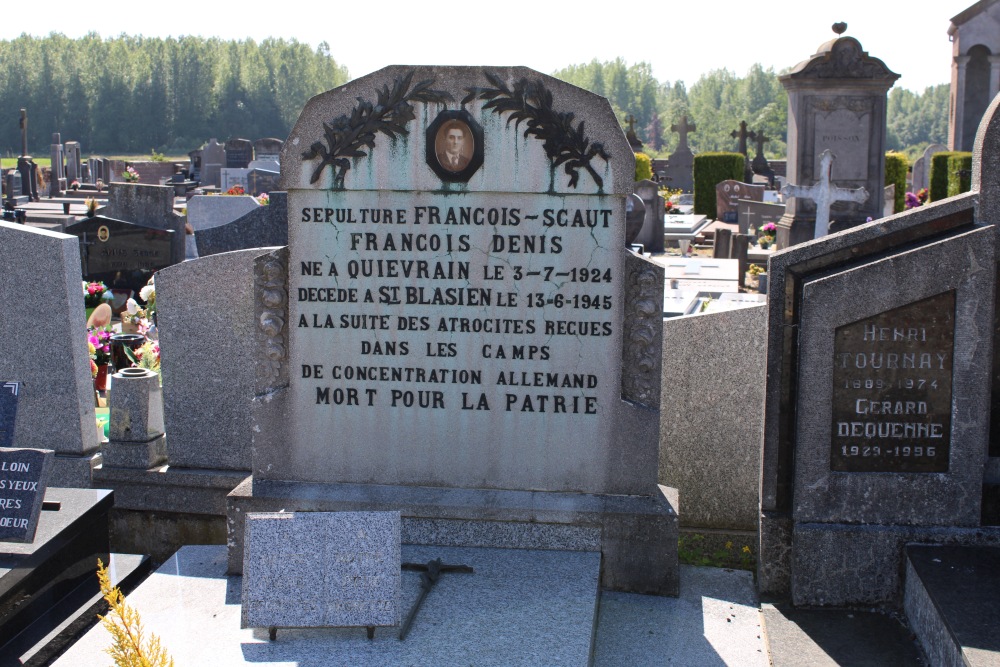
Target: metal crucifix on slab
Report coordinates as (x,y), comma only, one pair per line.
(824,193)
(430,572)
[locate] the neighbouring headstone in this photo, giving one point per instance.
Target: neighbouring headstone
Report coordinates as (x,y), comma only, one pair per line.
(651,234)
(449,295)
(73,172)
(680,168)
(194,164)
(239,153)
(55,403)
(151,206)
(741,135)
(759,166)
(268,149)
(203,314)
(234,178)
(975,71)
(823,194)
(888,200)
(24,476)
(29,177)
(836,103)
(213,162)
(922,167)
(121,254)
(207,211)
(57,178)
(727,195)
(879,401)
(8,412)
(260,227)
(754,214)
(260,181)
(321,569)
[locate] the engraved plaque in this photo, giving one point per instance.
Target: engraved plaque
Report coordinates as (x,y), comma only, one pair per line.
(892,389)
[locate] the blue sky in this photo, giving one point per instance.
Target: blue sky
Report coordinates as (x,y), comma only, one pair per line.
(681,40)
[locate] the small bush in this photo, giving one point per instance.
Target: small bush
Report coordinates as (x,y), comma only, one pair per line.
(939,175)
(643,167)
(710,169)
(959,173)
(896,165)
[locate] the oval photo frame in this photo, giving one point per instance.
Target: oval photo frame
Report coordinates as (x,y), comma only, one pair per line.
(454,146)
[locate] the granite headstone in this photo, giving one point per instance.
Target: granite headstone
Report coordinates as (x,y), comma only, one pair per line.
(8,412)
(239,153)
(727,196)
(24,475)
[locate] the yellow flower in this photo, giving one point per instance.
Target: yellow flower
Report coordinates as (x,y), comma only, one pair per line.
(746,550)
(729,545)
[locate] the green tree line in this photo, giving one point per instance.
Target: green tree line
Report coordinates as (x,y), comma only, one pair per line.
(720,99)
(134,94)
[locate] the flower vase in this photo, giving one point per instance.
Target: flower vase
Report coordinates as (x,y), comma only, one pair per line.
(764,245)
(101,381)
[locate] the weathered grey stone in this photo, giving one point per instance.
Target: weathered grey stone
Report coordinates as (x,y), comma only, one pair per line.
(137,455)
(261,227)
(922,167)
(209,211)
(836,102)
(321,569)
(42,274)
(974,71)
(136,406)
(679,173)
(205,311)
(213,161)
(712,415)
(651,234)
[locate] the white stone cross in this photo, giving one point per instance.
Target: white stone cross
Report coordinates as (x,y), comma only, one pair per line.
(824,193)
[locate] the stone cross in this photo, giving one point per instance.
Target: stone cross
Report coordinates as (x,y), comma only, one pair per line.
(761,139)
(24,131)
(759,165)
(631,123)
(683,130)
(742,134)
(824,193)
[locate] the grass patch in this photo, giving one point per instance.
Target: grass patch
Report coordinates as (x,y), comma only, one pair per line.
(11,162)
(695,549)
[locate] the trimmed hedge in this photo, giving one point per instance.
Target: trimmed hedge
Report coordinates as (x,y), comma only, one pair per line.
(710,169)
(896,165)
(939,175)
(959,173)
(643,167)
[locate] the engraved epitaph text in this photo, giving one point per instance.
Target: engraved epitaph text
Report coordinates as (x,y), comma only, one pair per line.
(892,389)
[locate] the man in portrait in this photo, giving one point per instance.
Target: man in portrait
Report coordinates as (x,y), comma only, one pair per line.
(454,146)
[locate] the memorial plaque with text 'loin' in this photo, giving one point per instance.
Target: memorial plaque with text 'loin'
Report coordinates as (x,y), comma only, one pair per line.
(24,474)
(892,389)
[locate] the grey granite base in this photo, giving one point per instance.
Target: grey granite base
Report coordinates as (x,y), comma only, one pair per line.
(138,455)
(636,535)
(853,565)
(774,555)
(169,489)
(74,471)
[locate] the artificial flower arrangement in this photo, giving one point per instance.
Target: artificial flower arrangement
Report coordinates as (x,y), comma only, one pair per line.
(99,345)
(130,175)
(94,294)
(236,190)
(147,356)
(263,199)
(91,205)
(148,295)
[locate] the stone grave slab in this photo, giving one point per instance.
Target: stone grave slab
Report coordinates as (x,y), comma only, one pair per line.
(8,412)
(213,161)
(727,196)
(24,476)
(678,302)
(341,569)
(234,177)
(262,226)
(699,274)
(268,149)
(239,153)
(208,211)
(754,214)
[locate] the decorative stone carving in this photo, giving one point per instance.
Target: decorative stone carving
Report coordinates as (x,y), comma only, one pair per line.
(641,356)
(271,278)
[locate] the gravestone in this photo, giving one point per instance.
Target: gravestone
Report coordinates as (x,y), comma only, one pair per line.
(213,162)
(341,569)
(8,412)
(760,166)
(233,177)
(24,474)
(239,153)
(890,439)
(208,211)
(107,169)
(194,164)
(29,177)
(57,179)
(49,360)
(73,172)
(754,214)
(680,168)
(888,200)
(741,135)
(823,194)
(975,71)
(268,149)
(727,195)
(651,234)
(121,254)
(836,103)
(260,227)
(260,181)
(151,206)
(402,264)
(200,311)
(922,167)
